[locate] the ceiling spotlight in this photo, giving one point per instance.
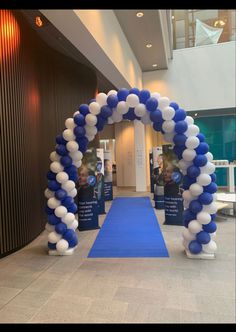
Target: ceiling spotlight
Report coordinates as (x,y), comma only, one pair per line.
(172,17)
(220,23)
(154,65)
(38,21)
(148,45)
(195,114)
(139,14)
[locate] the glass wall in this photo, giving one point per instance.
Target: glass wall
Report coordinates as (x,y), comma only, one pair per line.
(193,27)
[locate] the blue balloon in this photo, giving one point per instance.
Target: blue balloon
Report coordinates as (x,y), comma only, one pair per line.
(122,94)
(174,105)
(61,228)
(193,171)
(67,201)
(79,119)
(51,175)
(144,96)
(60,140)
(181,127)
(61,150)
(84,110)
(72,208)
(200,160)
(92,100)
(157,125)
(205,198)
(134,91)
(91,180)
(66,161)
(201,137)
(202,148)
(203,237)
(178,150)
(156,116)
(213,217)
(53,185)
(211,188)
(68,235)
(106,112)
(112,101)
(213,177)
(100,123)
(53,220)
(179,139)
(74,241)
(187,181)
(130,115)
(71,169)
(210,228)
(79,131)
(195,206)
(83,143)
(176,177)
(48,210)
(52,246)
(188,215)
(74,177)
(60,194)
(195,247)
(151,104)
(180,115)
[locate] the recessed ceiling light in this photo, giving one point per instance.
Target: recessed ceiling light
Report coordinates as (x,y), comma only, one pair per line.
(139,14)
(38,21)
(148,45)
(172,17)
(220,23)
(195,114)
(154,65)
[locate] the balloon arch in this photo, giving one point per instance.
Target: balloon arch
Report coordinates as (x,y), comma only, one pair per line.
(189,145)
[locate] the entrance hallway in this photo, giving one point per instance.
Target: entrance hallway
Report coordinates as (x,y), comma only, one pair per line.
(38,288)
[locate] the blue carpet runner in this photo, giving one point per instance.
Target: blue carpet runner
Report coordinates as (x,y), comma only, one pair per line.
(130,230)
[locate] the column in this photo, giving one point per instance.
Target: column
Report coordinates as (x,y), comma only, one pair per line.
(140,156)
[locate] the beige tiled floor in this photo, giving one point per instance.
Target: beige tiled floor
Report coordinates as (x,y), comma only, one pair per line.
(37,288)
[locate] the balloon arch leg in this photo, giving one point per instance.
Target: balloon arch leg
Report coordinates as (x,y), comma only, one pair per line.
(189,145)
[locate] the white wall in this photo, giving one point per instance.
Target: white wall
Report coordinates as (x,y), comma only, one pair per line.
(198,78)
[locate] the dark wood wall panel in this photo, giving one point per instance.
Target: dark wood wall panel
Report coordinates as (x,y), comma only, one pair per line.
(39,89)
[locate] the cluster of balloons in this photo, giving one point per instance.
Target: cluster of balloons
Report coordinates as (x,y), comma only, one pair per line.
(177,128)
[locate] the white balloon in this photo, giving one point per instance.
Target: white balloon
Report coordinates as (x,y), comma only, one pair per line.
(203,179)
(184,172)
(189,154)
(156,95)
(214,197)
(210,247)
(209,168)
(94,108)
(112,92)
(54,156)
(91,119)
(48,193)
(69,218)
(186,204)
(77,163)
(72,146)
(91,130)
(62,177)
(101,98)
(76,156)
(60,211)
(168,126)
(70,124)
(213,235)
(163,102)
(68,185)
(53,203)
(116,117)
(74,225)
(49,228)
(77,112)
(72,193)
(54,237)
(90,137)
(196,189)
(140,110)
(56,167)
(110,120)
(122,107)
(62,245)
(187,235)
(204,218)
(168,137)
(209,156)
(188,196)
(132,100)
(68,135)
(183,165)
(210,208)
(189,120)
(192,130)
(192,142)
(168,113)
(146,118)
(194,226)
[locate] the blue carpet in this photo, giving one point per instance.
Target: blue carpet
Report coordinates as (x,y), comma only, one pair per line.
(130,230)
